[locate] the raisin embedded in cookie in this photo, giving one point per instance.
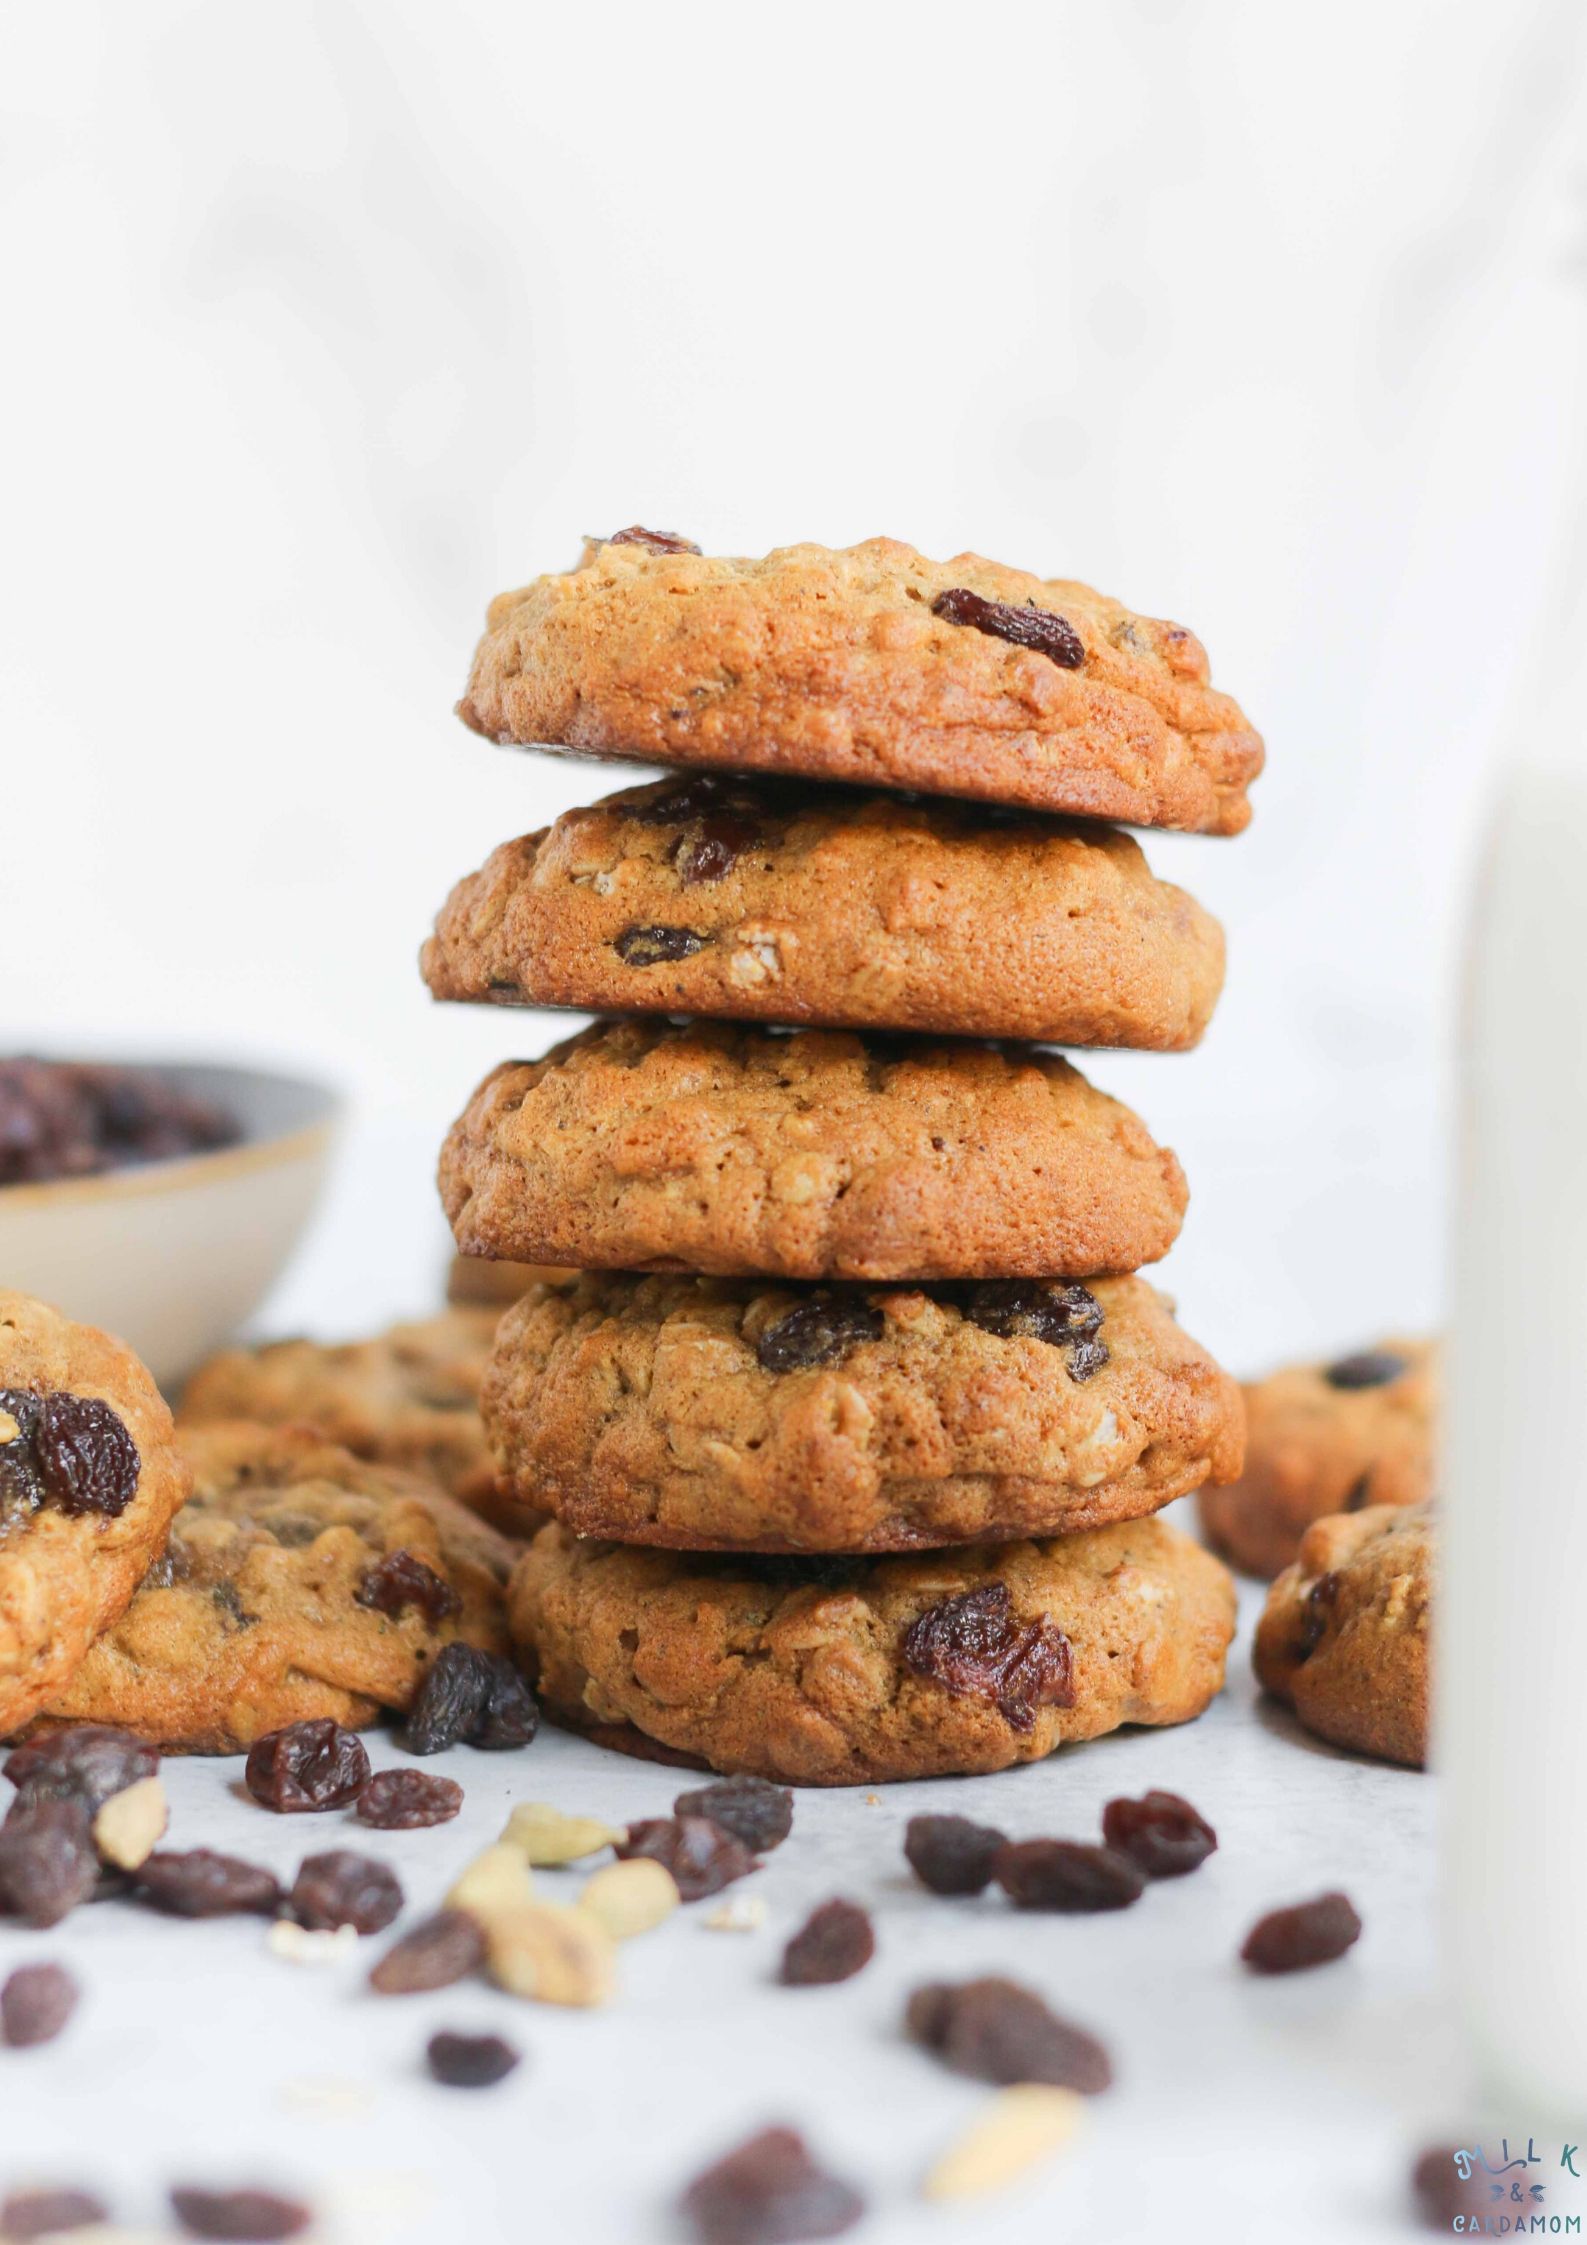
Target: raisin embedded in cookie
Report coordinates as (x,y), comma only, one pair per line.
(821,1672)
(1325,1438)
(763,900)
(741,1415)
(645,1145)
(869,664)
(1346,1634)
(299,1582)
(90,1476)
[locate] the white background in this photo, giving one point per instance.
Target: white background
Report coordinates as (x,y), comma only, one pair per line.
(325,322)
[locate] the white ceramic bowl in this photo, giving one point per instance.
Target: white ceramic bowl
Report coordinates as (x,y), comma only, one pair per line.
(172,1256)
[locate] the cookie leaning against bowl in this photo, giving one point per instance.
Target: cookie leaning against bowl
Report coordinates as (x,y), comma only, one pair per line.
(868,664)
(1325,1438)
(717,1414)
(764,900)
(90,1476)
(299,1582)
(703,1146)
(1345,1636)
(822,1672)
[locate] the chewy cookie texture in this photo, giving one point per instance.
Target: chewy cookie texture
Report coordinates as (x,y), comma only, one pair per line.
(868,664)
(648,1145)
(832,1673)
(710,1414)
(756,900)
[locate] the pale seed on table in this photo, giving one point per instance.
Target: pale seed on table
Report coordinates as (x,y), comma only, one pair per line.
(496,1880)
(1018,2129)
(130,1825)
(740,1913)
(544,1836)
(630,1897)
(551,1953)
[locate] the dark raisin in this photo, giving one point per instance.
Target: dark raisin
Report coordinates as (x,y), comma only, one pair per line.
(473,1697)
(48,1861)
(653,541)
(821,1331)
(1067,1875)
(1368,1368)
(440,1951)
(656,946)
(342,1888)
(767,2191)
(87,1461)
(258,2217)
(1312,1622)
(511,1714)
(201,1884)
(997,2031)
(76,1119)
(306,1767)
(405,1800)
(1449,2193)
(35,2004)
(1048,634)
(401,1580)
(1086,1359)
(1067,1317)
(700,1855)
(228,1598)
(470,2061)
(88,1762)
(751,1808)
(836,1941)
(711,845)
(49,2213)
(21,1490)
(675,802)
(1162,1833)
(1311,1933)
(975,1648)
(950,1854)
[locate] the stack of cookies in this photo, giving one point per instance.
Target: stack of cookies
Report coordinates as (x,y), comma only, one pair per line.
(853,1429)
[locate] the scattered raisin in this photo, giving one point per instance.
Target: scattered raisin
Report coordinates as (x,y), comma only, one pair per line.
(440,1951)
(201,1884)
(751,1808)
(700,1855)
(1368,1368)
(88,1762)
(49,2213)
(1163,1834)
(950,1854)
(474,1697)
(656,946)
(998,2031)
(821,1331)
(35,2004)
(1445,2198)
(248,2217)
(1311,1933)
(767,2191)
(342,1888)
(1067,1875)
(1048,634)
(401,1580)
(834,1943)
(653,541)
(404,1800)
(470,2061)
(973,1646)
(1066,1317)
(306,1767)
(48,1861)
(511,1715)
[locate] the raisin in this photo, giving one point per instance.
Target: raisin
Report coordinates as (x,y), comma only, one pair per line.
(700,1855)
(89,1762)
(87,1461)
(751,1808)
(1360,1493)
(306,1767)
(35,2004)
(1048,634)
(1067,1875)
(74,1119)
(656,946)
(997,2031)
(767,2191)
(973,1646)
(1368,1368)
(1312,1622)
(1067,1317)
(653,541)
(48,2213)
(677,801)
(48,1861)
(821,1331)
(341,1888)
(1311,1933)
(201,1884)
(1162,1833)
(21,1490)
(711,847)
(401,1580)
(406,1800)
(470,2061)
(834,1943)
(440,1951)
(511,1714)
(258,2217)
(1446,2198)
(950,1854)
(470,1696)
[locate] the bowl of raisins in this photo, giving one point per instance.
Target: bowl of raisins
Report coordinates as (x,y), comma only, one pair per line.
(159,1201)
